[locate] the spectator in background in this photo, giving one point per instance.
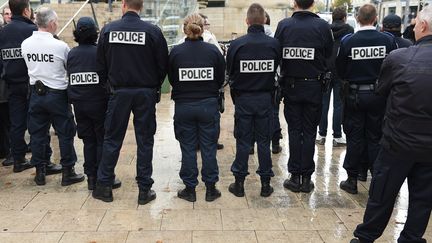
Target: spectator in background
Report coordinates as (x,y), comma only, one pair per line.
(392,24)
(7,15)
(208,36)
(409,31)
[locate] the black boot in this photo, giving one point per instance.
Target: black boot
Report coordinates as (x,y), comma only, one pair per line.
(40,175)
(266,188)
(52,169)
(350,185)
(237,188)
(91,182)
(103,193)
(8,161)
(69,176)
(293,183)
(220,146)
(21,165)
(212,193)
(116,183)
(145,196)
(276,148)
(306,185)
(187,194)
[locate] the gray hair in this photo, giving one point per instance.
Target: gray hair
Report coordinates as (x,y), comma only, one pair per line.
(44,16)
(426,15)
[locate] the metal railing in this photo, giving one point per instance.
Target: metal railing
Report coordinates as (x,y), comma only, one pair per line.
(72,19)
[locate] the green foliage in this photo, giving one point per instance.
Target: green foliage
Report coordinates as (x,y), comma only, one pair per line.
(338,3)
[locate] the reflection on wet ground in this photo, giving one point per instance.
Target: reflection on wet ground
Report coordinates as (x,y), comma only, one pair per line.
(53,213)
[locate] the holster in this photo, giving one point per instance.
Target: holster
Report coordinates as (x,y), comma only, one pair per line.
(221,100)
(40,88)
(325,79)
(277,93)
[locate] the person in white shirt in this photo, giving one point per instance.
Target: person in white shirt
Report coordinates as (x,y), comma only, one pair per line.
(45,58)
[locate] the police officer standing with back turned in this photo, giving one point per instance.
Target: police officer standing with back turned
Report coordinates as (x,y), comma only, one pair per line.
(133,56)
(392,25)
(307,42)
(89,97)
(251,64)
(407,140)
(46,58)
(358,64)
(16,76)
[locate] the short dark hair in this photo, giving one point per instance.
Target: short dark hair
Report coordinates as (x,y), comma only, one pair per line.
(17,6)
(134,4)
(86,36)
(267,22)
(304,4)
(256,14)
(339,13)
(367,14)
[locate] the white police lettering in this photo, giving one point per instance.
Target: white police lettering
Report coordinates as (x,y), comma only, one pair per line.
(257,66)
(299,53)
(84,78)
(40,57)
(368,52)
(126,37)
(12,53)
(196,74)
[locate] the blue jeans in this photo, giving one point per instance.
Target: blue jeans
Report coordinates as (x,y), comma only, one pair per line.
(337,110)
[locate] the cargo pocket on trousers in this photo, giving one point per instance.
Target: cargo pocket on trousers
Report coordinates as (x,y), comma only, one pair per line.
(378,184)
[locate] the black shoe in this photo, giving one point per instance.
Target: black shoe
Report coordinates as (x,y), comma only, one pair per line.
(40,175)
(69,176)
(212,193)
(187,194)
(362,176)
(350,185)
(52,169)
(276,148)
(8,161)
(103,193)
(145,196)
(237,188)
(91,182)
(252,151)
(116,183)
(220,146)
(266,189)
(306,185)
(355,240)
(293,183)
(21,165)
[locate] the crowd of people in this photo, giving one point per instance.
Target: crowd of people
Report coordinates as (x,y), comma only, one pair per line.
(379,80)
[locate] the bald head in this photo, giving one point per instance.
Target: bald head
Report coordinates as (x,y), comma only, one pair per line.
(367,15)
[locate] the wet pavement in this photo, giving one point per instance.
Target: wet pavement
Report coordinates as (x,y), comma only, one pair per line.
(53,213)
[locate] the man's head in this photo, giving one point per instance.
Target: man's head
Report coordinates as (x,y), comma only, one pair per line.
(46,20)
(423,25)
(339,14)
(367,15)
(303,4)
(86,31)
(7,15)
(132,5)
(255,14)
(392,23)
(206,21)
(20,8)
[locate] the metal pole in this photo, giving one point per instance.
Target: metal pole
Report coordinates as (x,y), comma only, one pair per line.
(407,12)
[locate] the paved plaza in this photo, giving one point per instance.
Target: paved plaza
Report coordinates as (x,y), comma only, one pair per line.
(52,213)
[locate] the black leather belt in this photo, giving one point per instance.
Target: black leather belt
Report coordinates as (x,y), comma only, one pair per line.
(49,89)
(363,87)
(304,79)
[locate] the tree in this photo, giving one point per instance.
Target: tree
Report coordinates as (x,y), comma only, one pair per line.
(338,3)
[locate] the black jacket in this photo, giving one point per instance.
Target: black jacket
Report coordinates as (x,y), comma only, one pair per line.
(196,71)
(252,61)
(11,37)
(132,53)
(339,30)
(406,80)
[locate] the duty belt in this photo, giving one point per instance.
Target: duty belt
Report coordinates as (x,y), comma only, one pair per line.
(363,87)
(303,79)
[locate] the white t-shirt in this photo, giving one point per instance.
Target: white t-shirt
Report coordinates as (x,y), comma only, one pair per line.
(46,58)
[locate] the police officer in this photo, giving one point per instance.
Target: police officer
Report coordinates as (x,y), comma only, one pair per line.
(251,64)
(407,139)
(307,42)
(392,25)
(16,76)
(133,56)
(89,97)
(45,58)
(358,64)
(196,73)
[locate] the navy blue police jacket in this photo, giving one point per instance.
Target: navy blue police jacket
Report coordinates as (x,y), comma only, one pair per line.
(361,55)
(132,53)
(400,42)
(406,80)
(84,81)
(196,71)
(307,43)
(11,37)
(252,61)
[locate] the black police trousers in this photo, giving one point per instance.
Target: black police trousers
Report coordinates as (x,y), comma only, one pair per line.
(362,125)
(390,172)
(18,108)
(53,107)
(90,118)
(303,105)
(142,103)
(4,130)
(198,123)
(253,120)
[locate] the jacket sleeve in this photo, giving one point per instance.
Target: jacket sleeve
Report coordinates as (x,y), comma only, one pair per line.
(329,41)
(171,68)
(101,62)
(386,79)
(220,70)
(161,56)
(341,60)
